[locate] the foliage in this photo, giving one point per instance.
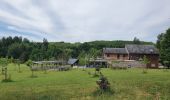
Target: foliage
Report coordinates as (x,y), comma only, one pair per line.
(11,60)
(163,44)
(94,53)
(18,63)
(159,39)
(4,63)
(145,60)
(167,63)
(97,69)
(136,41)
(23,49)
(97,72)
(76,84)
(82,61)
(103,82)
(8,79)
(29,63)
(44,48)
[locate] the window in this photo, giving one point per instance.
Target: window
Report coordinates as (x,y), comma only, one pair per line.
(118,56)
(153,65)
(108,55)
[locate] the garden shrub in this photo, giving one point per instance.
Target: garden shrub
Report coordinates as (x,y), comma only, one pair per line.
(103,82)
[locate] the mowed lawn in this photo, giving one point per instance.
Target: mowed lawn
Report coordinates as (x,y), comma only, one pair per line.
(76,84)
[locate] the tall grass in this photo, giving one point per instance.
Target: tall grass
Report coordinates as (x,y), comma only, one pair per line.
(76,84)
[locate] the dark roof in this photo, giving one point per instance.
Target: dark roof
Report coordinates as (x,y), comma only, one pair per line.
(72,61)
(115,50)
(141,49)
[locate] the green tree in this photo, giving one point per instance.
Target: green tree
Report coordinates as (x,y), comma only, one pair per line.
(18,62)
(159,39)
(67,53)
(19,51)
(4,63)
(17,39)
(136,40)
(145,61)
(25,40)
(93,53)
(44,48)
(29,63)
(165,48)
(82,58)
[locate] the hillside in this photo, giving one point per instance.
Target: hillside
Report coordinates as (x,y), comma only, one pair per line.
(23,49)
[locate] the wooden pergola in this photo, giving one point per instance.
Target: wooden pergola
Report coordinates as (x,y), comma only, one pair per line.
(45,65)
(98,62)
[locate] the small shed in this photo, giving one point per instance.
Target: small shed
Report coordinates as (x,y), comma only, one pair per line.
(73,62)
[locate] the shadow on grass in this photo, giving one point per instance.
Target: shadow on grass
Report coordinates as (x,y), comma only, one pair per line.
(100,92)
(7,80)
(19,71)
(95,75)
(145,71)
(165,70)
(33,76)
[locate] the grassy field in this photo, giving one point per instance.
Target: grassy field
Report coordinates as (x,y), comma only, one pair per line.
(76,84)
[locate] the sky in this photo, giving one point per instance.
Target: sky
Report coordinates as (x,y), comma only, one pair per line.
(84,20)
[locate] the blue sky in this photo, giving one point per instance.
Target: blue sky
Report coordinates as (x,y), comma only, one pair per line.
(84,20)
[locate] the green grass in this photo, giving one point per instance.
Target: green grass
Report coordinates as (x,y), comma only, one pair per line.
(77,84)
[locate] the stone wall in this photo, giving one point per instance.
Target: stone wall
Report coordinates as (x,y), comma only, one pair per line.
(128,63)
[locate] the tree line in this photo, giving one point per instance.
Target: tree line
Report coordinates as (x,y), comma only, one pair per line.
(23,49)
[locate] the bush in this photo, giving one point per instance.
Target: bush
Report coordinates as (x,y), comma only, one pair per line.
(103,83)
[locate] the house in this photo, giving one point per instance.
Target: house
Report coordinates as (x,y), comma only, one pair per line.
(115,53)
(133,52)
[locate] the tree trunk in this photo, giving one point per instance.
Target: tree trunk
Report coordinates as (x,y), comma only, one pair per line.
(32,73)
(19,69)
(6,76)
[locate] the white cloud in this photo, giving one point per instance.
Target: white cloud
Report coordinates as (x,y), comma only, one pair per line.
(87,20)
